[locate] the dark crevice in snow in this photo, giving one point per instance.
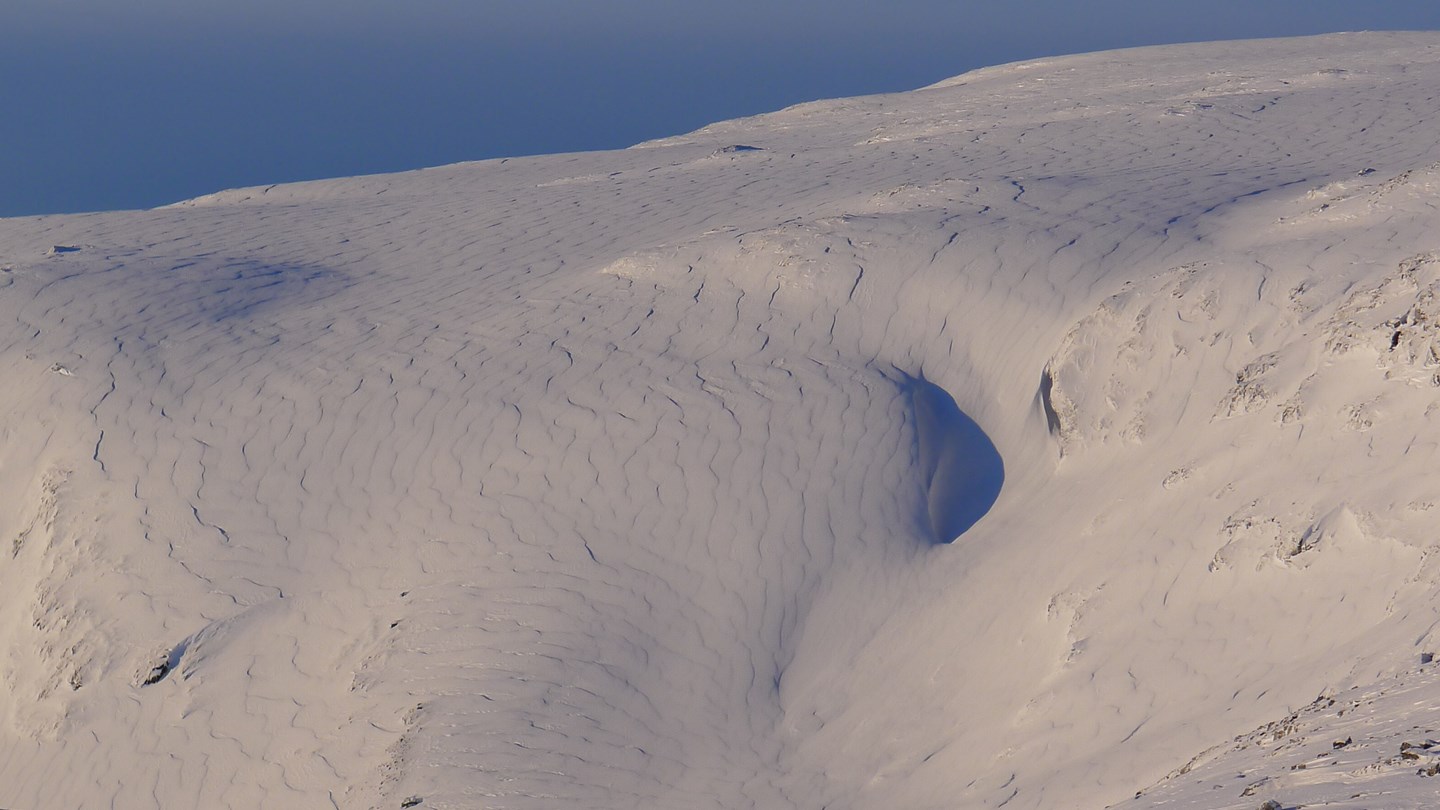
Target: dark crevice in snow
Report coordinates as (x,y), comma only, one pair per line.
(158,672)
(961,468)
(1047,387)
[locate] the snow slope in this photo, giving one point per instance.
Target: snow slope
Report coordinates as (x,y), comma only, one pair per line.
(625,479)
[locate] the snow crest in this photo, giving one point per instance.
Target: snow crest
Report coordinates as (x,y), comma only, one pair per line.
(630,479)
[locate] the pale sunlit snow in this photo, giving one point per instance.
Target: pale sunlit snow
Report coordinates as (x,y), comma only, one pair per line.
(627,479)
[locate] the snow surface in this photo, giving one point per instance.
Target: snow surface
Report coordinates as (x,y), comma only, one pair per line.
(623,480)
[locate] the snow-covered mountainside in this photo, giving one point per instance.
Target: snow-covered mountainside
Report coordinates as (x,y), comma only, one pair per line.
(627,479)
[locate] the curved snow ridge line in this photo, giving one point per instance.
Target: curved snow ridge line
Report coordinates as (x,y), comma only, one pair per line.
(801,271)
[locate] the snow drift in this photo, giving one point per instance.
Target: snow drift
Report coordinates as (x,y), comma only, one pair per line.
(614,480)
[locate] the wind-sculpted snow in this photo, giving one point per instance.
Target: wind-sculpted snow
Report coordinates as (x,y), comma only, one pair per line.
(962,470)
(616,479)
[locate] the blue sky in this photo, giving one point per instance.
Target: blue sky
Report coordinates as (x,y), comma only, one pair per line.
(110,104)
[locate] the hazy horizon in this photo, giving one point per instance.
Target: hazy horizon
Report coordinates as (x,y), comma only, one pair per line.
(129,108)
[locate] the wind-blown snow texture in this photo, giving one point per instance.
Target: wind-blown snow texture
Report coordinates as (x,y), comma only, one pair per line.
(615,480)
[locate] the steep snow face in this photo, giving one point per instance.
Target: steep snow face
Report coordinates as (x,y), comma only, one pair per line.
(615,479)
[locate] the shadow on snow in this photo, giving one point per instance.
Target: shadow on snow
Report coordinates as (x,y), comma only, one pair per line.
(961,468)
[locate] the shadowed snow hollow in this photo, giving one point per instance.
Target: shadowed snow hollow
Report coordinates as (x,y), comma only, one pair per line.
(962,470)
(594,480)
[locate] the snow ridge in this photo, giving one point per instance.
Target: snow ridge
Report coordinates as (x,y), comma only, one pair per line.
(616,479)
